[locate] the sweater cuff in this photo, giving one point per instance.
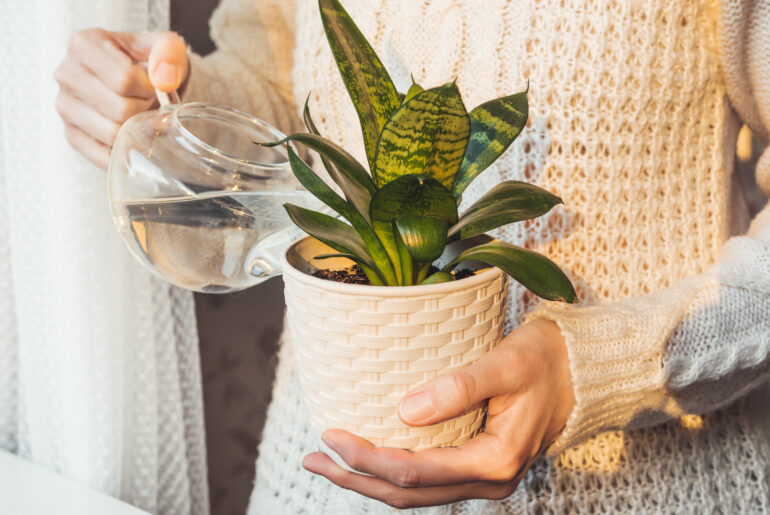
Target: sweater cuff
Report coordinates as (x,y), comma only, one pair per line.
(616,363)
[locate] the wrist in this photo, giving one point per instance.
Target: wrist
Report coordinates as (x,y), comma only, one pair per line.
(551,337)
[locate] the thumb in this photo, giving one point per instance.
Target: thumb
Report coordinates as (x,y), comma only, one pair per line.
(168,62)
(165,53)
(460,391)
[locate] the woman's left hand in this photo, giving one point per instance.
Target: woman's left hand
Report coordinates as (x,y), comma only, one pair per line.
(527,381)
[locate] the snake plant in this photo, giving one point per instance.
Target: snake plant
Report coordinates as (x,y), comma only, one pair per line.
(423,149)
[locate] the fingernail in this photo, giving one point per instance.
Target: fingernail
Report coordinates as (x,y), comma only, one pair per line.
(166,75)
(416,407)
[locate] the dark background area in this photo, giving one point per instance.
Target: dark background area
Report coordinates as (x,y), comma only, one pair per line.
(190,18)
(238,343)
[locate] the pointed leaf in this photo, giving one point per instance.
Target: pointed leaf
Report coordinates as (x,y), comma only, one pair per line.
(315,185)
(331,169)
(413,195)
(335,233)
(508,202)
(424,238)
(427,135)
(353,179)
(370,87)
(414,90)
(536,272)
(494,126)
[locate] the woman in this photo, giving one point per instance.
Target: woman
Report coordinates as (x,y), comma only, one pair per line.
(630,123)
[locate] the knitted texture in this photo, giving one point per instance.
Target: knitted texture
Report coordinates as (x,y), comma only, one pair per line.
(99,371)
(630,124)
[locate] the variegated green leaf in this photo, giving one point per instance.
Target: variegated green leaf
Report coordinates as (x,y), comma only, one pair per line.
(534,271)
(331,168)
(351,176)
(424,237)
(407,263)
(315,185)
(494,126)
(414,90)
(370,87)
(427,135)
(508,202)
(335,233)
(384,231)
(413,195)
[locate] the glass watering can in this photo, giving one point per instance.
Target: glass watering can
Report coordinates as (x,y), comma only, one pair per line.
(197,202)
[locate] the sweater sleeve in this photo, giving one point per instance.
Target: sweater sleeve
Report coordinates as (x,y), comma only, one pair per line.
(251,68)
(705,341)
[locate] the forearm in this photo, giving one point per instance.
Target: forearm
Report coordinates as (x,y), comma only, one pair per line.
(687,349)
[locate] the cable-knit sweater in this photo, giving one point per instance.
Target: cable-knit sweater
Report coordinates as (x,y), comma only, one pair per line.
(633,122)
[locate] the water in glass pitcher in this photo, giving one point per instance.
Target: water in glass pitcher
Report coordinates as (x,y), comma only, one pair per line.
(204,242)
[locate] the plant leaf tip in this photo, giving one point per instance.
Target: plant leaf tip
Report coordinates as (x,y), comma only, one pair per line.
(270,144)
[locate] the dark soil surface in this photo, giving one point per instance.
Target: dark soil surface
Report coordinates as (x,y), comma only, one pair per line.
(352,275)
(355,275)
(462,274)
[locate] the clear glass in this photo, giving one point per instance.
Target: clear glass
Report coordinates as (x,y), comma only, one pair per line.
(197,202)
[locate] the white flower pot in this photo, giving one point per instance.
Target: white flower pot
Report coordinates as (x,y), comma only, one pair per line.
(358,349)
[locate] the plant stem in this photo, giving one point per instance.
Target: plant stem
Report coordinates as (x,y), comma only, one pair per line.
(422,272)
(384,232)
(373,277)
(407,263)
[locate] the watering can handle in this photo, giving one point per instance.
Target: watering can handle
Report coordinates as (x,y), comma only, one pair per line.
(167,98)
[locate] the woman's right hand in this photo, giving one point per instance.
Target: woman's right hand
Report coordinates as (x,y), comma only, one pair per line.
(102,83)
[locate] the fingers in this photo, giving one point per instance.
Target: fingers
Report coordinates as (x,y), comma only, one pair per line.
(103,56)
(399,497)
(91,149)
(79,114)
(451,394)
(103,83)
(486,457)
(79,82)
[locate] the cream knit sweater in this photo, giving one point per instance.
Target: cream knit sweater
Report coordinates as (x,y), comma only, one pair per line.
(633,123)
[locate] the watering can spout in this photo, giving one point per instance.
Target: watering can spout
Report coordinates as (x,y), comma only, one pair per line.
(264,260)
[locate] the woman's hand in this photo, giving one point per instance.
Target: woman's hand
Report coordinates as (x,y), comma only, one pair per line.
(102,83)
(527,381)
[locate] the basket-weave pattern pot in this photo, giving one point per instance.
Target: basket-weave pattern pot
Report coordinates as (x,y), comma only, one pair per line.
(359,349)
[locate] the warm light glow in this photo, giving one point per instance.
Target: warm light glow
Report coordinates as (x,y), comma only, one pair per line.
(743,147)
(605,452)
(141,234)
(693,422)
